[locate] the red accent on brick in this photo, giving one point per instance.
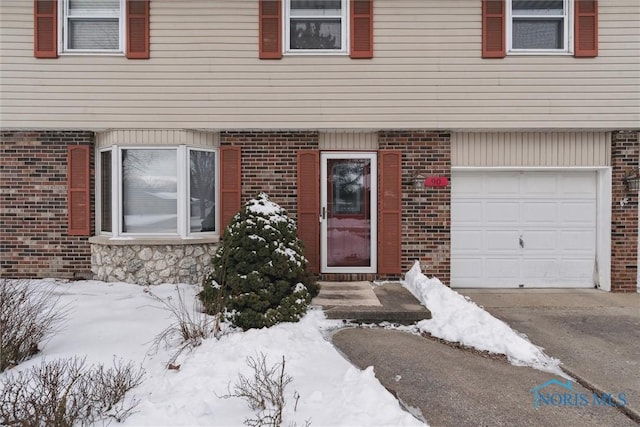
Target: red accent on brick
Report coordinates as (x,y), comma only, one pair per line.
(390,212)
(78,190)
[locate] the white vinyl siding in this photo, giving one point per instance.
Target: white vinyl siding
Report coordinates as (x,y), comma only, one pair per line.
(427,72)
(530,149)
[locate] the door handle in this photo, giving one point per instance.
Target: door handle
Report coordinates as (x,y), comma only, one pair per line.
(323,215)
(521,241)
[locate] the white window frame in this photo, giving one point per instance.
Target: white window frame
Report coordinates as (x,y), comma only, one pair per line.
(567,35)
(183,199)
(63,29)
(344,35)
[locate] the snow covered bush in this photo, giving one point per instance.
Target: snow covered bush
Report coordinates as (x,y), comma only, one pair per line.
(259,275)
(28,315)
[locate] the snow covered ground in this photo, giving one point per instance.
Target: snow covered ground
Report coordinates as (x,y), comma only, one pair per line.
(457,319)
(107,320)
(119,320)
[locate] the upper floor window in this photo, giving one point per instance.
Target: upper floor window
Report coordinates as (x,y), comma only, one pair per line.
(164,191)
(92,26)
(316,26)
(538,25)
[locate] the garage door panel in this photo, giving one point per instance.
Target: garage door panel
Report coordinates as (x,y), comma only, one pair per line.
(577,185)
(577,214)
(465,241)
(504,270)
(502,212)
(540,240)
(576,271)
(540,213)
(466,213)
(504,185)
(541,270)
(467,185)
(539,185)
(502,240)
(468,268)
(578,242)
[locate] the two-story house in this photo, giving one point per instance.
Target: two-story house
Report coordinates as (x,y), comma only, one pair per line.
(495,141)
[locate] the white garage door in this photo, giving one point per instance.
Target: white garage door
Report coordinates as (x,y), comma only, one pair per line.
(531,229)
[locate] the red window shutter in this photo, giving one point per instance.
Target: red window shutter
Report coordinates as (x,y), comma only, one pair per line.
(493,28)
(390,212)
(270,29)
(586,28)
(362,28)
(230,184)
(137,23)
(78,190)
(309,206)
(45,28)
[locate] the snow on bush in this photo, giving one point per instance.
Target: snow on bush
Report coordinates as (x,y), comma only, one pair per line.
(259,275)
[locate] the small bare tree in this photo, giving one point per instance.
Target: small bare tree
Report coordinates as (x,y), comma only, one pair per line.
(190,325)
(28,315)
(65,392)
(264,392)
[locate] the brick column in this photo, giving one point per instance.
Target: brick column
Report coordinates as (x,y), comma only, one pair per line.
(625,155)
(426,215)
(33,213)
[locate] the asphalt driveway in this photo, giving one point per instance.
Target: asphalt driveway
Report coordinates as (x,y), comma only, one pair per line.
(595,334)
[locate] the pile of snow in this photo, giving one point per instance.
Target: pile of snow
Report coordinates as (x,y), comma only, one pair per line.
(107,320)
(456,319)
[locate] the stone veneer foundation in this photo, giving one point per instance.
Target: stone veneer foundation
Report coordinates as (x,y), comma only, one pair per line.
(150,263)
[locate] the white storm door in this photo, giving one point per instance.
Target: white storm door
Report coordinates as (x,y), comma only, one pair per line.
(348,212)
(523,229)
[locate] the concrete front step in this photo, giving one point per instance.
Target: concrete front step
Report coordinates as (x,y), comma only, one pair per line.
(363,302)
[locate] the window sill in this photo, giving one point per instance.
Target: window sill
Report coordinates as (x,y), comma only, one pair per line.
(539,53)
(151,241)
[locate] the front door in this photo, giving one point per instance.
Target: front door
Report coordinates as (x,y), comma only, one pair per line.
(348,212)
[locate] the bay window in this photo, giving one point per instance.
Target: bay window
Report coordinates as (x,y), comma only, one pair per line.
(316,26)
(160,191)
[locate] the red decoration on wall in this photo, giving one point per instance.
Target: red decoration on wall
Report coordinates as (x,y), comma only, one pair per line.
(436,181)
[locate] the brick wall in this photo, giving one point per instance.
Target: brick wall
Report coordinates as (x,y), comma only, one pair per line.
(33,213)
(426,215)
(269,162)
(625,155)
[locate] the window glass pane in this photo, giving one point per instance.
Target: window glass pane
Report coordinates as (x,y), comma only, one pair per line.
(538,34)
(316,7)
(94,5)
(202,191)
(316,34)
(94,34)
(105,191)
(538,7)
(149,191)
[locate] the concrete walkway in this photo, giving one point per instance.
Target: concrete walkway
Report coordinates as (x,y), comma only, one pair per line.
(595,334)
